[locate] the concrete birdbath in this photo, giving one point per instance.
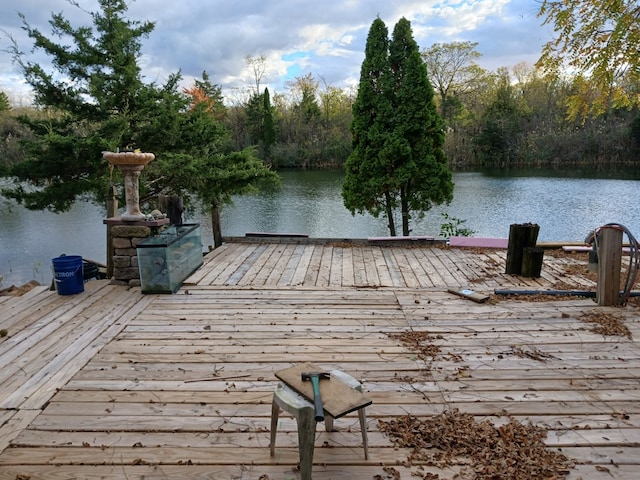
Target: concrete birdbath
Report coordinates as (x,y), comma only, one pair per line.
(130,164)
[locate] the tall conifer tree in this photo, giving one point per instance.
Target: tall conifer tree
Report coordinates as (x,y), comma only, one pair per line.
(398,136)
(363,188)
(417,141)
(269,133)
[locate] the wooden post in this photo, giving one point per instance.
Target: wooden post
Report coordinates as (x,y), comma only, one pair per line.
(173,206)
(532,261)
(609,265)
(112,211)
(520,236)
(175,209)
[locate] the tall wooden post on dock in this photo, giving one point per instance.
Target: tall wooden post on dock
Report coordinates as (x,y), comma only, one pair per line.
(609,265)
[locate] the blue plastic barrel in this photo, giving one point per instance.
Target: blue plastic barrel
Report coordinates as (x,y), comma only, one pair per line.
(68,274)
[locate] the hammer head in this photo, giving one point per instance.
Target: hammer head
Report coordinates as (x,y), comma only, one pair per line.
(306,376)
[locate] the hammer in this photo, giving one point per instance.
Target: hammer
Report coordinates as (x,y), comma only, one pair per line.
(315,378)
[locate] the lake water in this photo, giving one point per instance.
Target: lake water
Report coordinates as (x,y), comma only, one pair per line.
(566,205)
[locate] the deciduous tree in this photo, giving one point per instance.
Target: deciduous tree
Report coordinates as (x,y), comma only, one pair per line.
(454,73)
(599,43)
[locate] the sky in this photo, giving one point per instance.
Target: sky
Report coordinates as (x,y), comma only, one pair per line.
(324,38)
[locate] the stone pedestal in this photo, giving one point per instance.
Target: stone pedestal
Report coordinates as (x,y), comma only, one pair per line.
(125,236)
(131,192)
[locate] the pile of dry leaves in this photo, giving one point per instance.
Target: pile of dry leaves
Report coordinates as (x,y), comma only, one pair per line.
(421,344)
(513,450)
(606,323)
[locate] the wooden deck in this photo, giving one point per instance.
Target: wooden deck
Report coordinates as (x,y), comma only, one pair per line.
(113,384)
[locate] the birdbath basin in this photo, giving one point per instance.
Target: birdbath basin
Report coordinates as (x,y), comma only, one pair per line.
(128,158)
(130,164)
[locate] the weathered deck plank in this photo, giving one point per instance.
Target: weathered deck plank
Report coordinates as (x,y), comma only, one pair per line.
(177,386)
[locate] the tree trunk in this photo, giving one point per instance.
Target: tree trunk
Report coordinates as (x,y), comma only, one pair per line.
(215,223)
(112,211)
(520,236)
(392,224)
(404,206)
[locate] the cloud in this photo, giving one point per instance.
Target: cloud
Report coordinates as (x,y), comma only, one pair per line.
(297,37)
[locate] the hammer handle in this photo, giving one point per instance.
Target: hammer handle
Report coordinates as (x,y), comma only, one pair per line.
(317,399)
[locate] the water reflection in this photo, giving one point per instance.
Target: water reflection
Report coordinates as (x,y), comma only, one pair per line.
(29,240)
(613,173)
(565,207)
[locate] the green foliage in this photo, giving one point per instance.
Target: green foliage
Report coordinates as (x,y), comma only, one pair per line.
(600,42)
(453,227)
(213,93)
(5,106)
(398,136)
(260,123)
(216,177)
(634,131)
(453,70)
(269,129)
(370,126)
(311,125)
(497,142)
(232,174)
(302,122)
(254,112)
(12,133)
(308,107)
(96,101)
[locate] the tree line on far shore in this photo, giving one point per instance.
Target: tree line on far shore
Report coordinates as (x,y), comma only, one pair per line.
(524,115)
(513,117)
(215,147)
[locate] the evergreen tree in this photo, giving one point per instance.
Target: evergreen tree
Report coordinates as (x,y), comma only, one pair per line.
(4,102)
(308,107)
(398,158)
(94,100)
(254,110)
(268,127)
(363,188)
(97,101)
(497,142)
(420,167)
(259,122)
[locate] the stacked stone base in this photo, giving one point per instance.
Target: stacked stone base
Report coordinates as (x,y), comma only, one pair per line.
(125,237)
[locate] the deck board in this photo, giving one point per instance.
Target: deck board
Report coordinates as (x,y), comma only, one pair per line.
(112,382)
